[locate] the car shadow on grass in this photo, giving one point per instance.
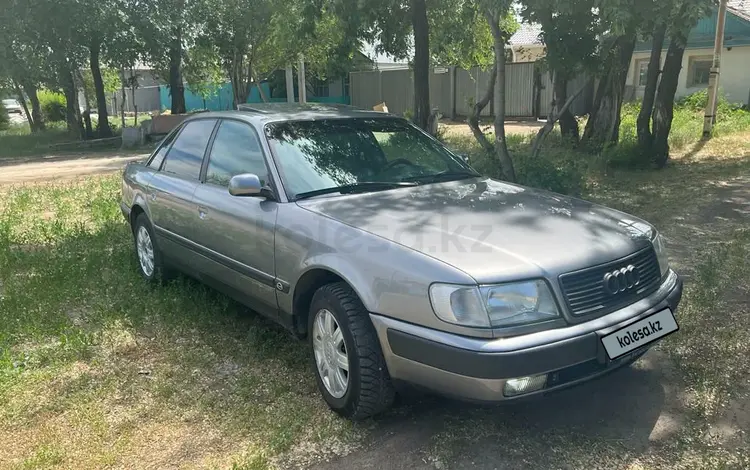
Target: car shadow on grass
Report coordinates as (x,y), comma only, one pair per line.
(428,432)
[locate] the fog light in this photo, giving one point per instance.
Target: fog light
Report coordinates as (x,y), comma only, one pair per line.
(521,385)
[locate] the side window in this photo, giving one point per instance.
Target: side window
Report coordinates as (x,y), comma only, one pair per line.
(161,152)
(186,155)
(236,150)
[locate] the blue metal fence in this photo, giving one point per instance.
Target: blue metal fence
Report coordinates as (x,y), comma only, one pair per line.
(222,99)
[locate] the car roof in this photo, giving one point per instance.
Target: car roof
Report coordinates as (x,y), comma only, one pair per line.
(274,112)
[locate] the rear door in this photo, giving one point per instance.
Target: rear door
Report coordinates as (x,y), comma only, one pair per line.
(236,234)
(171,191)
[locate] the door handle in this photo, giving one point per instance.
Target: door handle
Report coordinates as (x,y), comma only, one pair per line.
(202,212)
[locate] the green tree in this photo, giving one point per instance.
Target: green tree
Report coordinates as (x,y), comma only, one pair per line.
(238,33)
(683,17)
(460,35)
(656,30)
(203,73)
(58,25)
(569,31)
(621,22)
(4,119)
(23,57)
(502,24)
(167,29)
(105,19)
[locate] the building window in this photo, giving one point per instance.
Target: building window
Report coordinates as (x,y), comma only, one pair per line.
(699,69)
(320,88)
(641,68)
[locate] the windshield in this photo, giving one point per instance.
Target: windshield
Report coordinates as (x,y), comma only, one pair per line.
(330,153)
(10,102)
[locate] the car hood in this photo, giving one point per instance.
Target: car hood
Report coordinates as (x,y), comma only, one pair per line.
(492,230)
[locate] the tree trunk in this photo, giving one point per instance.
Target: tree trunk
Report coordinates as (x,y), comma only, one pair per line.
(176,87)
(568,123)
(501,145)
(239,76)
(71,100)
(102,126)
(554,114)
(124,96)
(87,124)
(133,87)
(664,103)
(260,88)
(603,124)
(421,64)
(477,110)
(643,124)
(36,108)
(22,100)
(86,97)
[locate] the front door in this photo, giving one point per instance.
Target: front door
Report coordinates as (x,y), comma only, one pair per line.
(171,191)
(236,234)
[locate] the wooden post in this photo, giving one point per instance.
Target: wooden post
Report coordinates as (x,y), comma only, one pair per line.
(301,80)
(453,92)
(289,84)
(713,79)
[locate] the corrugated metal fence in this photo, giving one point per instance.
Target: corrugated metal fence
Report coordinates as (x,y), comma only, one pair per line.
(454,91)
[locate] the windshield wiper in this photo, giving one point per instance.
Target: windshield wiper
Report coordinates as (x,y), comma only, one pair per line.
(353,188)
(442,176)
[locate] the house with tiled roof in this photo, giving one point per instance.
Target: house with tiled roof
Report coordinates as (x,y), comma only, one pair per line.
(734,80)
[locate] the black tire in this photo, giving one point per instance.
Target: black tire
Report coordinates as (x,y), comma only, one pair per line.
(369,390)
(161,272)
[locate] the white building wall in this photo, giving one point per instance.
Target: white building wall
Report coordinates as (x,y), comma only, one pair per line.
(530,53)
(734,81)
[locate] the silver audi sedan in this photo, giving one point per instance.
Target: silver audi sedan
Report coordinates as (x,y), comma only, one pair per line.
(397,261)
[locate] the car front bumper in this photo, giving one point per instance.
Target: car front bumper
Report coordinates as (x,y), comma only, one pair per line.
(477,369)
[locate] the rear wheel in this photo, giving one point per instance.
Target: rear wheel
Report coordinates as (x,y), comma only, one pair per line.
(347,359)
(150,261)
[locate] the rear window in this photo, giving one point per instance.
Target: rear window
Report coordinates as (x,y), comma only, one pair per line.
(186,155)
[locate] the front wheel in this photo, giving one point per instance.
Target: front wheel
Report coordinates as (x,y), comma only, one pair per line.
(349,365)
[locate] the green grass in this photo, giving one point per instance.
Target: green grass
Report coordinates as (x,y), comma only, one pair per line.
(18,141)
(97,367)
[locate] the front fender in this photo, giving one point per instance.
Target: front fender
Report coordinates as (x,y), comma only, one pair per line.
(346,270)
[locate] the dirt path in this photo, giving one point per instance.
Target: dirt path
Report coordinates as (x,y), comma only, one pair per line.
(460,128)
(54,167)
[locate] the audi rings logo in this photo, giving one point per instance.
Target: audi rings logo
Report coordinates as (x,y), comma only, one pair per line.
(621,280)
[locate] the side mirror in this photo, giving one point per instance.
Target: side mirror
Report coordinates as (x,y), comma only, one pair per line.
(464,157)
(246,184)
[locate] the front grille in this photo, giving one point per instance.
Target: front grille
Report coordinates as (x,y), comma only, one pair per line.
(585,292)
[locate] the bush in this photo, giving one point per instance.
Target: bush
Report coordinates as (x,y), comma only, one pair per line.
(557,168)
(53,106)
(4,119)
(697,101)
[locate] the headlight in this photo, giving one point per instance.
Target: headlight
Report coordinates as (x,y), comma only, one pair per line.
(661,254)
(495,306)
(459,304)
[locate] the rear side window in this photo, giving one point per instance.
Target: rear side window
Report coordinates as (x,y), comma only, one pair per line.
(159,155)
(186,155)
(236,150)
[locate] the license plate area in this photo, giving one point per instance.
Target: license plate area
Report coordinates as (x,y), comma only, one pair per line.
(638,334)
